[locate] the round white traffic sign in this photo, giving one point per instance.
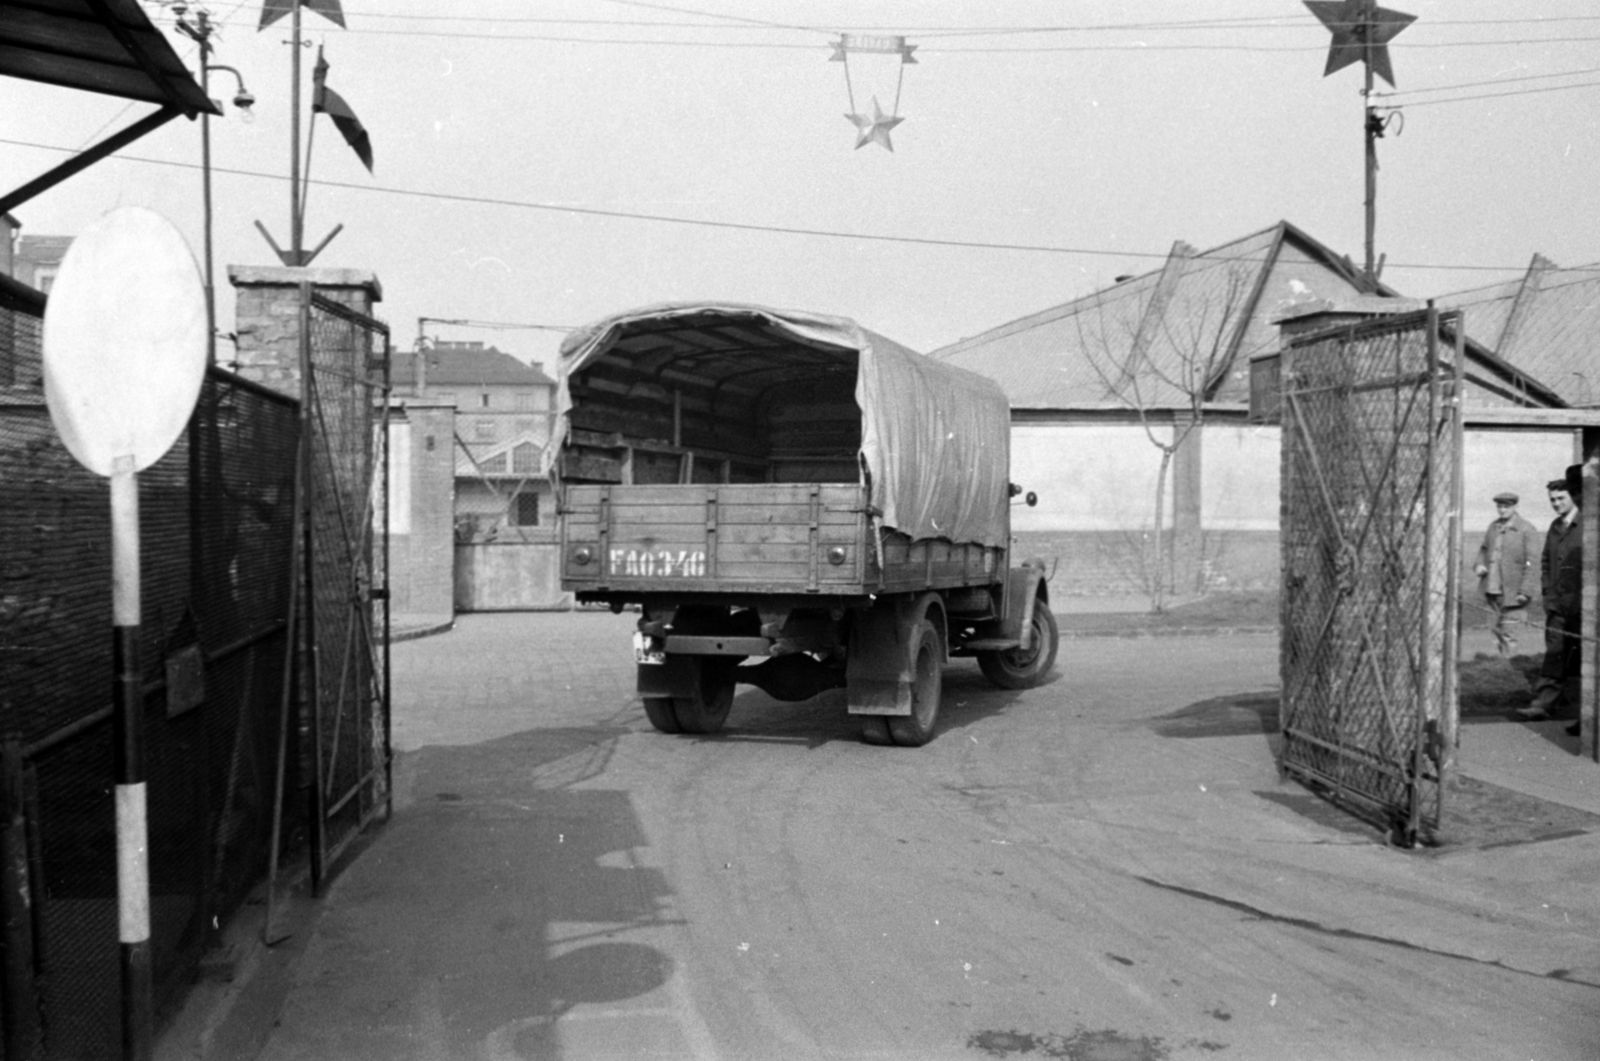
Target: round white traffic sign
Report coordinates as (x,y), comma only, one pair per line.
(124,340)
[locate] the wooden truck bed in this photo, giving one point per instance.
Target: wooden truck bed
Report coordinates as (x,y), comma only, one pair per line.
(624,541)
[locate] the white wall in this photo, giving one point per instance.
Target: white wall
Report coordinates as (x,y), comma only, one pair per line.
(1097,477)
(1240,478)
(1087,476)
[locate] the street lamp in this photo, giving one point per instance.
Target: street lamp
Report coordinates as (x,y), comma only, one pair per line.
(201,31)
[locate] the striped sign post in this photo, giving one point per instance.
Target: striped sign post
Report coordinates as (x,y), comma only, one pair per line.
(124,356)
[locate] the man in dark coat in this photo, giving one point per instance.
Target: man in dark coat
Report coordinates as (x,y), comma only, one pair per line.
(1561,580)
(1505,561)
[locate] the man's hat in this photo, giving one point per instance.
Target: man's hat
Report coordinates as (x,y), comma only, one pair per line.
(1505,497)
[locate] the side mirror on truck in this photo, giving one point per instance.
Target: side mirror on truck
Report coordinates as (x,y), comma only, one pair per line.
(1031,500)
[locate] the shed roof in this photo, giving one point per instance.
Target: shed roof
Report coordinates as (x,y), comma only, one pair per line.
(1200,314)
(104,46)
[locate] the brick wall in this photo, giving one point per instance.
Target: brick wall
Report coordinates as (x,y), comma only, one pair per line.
(267,316)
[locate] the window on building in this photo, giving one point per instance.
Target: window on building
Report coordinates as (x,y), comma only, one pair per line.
(524,399)
(495,465)
(448,397)
(526,425)
(525,458)
(525,510)
(483,400)
(483,430)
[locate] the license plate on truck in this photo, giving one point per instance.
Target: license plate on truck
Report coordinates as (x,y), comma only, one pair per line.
(657,563)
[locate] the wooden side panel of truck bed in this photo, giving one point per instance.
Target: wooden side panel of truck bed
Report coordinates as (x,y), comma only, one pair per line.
(789,538)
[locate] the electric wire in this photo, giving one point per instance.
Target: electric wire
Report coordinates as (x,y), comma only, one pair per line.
(736,226)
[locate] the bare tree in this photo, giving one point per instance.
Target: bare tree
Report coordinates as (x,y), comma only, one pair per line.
(1165,358)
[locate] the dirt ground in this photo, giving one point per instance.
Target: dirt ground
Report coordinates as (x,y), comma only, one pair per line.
(1476,814)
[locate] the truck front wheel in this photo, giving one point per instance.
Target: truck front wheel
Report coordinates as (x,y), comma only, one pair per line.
(1018,669)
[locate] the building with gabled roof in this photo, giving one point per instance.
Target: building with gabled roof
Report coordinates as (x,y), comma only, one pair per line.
(1094,382)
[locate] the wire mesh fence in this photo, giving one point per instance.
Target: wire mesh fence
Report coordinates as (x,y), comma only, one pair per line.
(1370,470)
(216,524)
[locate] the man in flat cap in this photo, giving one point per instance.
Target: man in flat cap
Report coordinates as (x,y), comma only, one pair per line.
(1561,581)
(1504,569)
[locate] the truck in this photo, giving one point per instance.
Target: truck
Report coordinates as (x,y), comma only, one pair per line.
(793,502)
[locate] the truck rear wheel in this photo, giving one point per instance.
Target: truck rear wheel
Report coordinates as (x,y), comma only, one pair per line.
(707,709)
(1018,669)
(658,709)
(927,687)
(875,730)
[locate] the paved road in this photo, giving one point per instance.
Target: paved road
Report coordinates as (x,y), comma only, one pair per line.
(1056,875)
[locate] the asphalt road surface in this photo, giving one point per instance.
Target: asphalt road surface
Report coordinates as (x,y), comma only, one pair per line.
(1056,875)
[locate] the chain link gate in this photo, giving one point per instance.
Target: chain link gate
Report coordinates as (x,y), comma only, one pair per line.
(1371,472)
(345,364)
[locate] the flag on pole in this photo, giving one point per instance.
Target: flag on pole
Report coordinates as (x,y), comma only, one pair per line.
(329,102)
(273,10)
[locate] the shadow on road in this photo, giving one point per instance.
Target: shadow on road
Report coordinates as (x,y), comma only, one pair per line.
(501,895)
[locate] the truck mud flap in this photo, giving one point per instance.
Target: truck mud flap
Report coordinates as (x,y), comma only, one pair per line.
(678,676)
(878,672)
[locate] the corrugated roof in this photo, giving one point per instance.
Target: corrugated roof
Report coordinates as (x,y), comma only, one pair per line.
(1543,324)
(462,365)
(1077,355)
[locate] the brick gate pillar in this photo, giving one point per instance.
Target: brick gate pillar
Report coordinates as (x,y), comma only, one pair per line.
(267,316)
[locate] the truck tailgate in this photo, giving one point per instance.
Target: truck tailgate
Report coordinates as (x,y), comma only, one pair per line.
(730,537)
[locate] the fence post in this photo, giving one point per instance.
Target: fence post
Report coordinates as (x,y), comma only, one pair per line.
(19,1009)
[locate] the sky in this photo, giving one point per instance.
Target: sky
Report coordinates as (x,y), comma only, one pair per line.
(542,165)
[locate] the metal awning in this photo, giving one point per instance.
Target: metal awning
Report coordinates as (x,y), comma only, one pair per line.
(105,46)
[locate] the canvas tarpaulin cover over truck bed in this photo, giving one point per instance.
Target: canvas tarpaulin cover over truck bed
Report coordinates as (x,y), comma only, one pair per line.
(935,439)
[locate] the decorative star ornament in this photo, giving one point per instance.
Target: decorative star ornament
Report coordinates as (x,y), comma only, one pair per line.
(874,129)
(1361,29)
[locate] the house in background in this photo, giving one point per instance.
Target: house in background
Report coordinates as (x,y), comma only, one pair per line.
(35,260)
(1130,410)
(506,536)
(502,422)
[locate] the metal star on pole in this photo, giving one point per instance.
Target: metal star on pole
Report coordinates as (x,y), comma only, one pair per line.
(874,129)
(1361,32)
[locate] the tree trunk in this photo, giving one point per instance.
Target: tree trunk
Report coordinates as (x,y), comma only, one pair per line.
(1158,570)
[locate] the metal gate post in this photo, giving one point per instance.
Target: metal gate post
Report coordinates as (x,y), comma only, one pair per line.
(388,599)
(312,683)
(1450,707)
(1424,666)
(19,1004)
(1589,514)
